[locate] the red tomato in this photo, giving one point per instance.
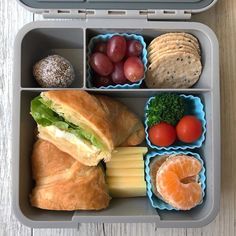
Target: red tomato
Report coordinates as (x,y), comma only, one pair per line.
(162,134)
(189,129)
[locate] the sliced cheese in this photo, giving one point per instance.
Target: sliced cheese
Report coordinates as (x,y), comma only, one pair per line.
(120,185)
(125,172)
(130,150)
(126,180)
(134,164)
(135,191)
(118,157)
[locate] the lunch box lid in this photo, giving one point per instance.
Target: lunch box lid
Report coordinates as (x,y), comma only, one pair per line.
(153,9)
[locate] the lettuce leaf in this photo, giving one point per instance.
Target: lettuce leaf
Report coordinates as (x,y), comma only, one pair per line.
(45,116)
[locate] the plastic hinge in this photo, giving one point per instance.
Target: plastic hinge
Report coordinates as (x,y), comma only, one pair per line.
(125,14)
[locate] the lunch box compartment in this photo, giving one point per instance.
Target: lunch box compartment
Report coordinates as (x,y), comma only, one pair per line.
(40,43)
(193,106)
(120,210)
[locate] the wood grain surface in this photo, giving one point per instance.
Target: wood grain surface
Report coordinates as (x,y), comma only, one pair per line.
(222,19)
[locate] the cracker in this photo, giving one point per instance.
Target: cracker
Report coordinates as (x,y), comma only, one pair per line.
(172,44)
(174,70)
(177,40)
(158,58)
(182,35)
(158,54)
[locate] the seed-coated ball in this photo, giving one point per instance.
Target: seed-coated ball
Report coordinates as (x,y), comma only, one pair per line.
(54,72)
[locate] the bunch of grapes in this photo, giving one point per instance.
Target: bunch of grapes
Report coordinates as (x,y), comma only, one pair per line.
(117,61)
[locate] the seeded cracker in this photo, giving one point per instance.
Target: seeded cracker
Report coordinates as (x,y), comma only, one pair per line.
(158,54)
(175,36)
(173,44)
(174,70)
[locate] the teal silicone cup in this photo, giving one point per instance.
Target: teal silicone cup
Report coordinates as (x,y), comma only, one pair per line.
(105,38)
(193,106)
(157,202)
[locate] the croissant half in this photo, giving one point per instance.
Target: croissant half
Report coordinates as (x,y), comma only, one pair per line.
(62,183)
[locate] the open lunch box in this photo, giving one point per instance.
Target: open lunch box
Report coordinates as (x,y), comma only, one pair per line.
(70,39)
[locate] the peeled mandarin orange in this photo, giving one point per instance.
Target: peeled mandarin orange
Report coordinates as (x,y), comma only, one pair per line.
(155,164)
(176,182)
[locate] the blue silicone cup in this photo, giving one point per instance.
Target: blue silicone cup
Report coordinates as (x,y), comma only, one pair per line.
(157,202)
(193,106)
(104,38)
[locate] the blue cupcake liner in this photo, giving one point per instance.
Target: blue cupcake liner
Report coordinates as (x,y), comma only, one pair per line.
(104,38)
(194,107)
(157,202)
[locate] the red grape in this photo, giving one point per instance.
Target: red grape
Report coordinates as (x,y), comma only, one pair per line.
(101,64)
(118,76)
(116,48)
(101,47)
(102,81)
(133,69)
(134,48)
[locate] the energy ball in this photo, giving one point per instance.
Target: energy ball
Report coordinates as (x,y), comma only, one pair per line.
(54,72)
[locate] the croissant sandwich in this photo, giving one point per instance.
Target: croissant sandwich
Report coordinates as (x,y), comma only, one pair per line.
(88,127)
(62,183)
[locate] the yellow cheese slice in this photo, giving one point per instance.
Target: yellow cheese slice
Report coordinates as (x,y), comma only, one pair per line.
(130,157)
(126,179)
(134,164)
(127,191)
(130,150)
(119,185)
(125,172)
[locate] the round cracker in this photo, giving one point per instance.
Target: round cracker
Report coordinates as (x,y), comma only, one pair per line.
(158,59)
(174,70)
(167,36)
(177,40)
(173,44)
(174,34)
(155,56)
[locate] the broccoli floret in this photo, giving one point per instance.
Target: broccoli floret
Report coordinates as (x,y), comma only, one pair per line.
(166,107)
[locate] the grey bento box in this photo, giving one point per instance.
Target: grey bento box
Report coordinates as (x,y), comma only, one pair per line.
(69,39)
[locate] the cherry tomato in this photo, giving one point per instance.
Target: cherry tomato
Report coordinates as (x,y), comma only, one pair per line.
(162,134)
(189,129)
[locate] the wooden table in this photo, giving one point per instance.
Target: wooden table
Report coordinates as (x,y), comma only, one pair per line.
(222,19)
